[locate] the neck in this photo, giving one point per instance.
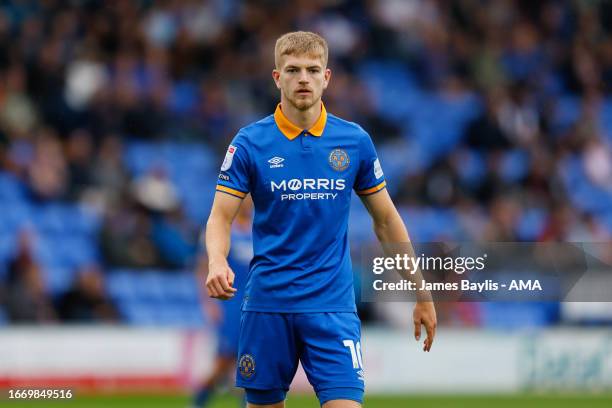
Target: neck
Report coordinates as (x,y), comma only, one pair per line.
(304,119)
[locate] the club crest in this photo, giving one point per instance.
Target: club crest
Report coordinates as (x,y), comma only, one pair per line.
(339,160)
(246,366)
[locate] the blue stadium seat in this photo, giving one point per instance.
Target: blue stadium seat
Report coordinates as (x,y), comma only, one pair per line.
(149,286)
(170,314)
(606,118)
(180,287)
(77,250)
(160,314)
(80,219)
(58,279)
(531,224)
(184,97)
(605,220)
(15,215)
(514,165)
(582,193)
(473,168)
(11,189)
(120,285)
(51,218)
(566,113)
(178,159)
(66,219)
(400,159)
(398,102)
(153,297)
(137,313)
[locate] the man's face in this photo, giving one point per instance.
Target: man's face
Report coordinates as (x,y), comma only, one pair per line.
(301,80)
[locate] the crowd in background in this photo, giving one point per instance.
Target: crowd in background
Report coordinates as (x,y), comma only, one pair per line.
(80,80)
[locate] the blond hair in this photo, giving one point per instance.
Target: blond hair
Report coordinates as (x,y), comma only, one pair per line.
(301,43)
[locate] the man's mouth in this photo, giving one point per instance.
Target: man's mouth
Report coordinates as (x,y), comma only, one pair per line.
(303,92)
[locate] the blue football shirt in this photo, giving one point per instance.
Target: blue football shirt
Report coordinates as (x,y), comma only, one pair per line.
(301,183)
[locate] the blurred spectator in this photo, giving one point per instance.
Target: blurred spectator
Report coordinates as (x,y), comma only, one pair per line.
(87,301)
(519,117)
(17,110)
(79,155)
(108,176)
(175,239)
(597,158)
(485,132)
(125,238)
(47,172)
(27,300)
(155,191)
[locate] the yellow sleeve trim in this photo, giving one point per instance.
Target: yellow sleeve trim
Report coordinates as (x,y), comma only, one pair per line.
(373,189)
(231,191)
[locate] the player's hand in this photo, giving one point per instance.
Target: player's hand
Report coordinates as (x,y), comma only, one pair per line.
(425,314)
(219,281)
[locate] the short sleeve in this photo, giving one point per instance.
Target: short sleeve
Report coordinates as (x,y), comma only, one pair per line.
(234,176)
(370,177)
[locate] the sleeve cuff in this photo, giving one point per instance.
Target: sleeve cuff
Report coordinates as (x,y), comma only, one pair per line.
(372,190)
(231,191)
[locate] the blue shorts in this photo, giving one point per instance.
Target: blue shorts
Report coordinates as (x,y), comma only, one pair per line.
(327,344)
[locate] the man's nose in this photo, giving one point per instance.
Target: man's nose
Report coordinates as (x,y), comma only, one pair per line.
(303,76)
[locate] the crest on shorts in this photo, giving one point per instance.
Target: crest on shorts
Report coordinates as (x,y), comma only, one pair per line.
(339,160)
(246,366)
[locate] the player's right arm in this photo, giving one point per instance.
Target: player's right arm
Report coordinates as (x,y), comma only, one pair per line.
(218,229)
(232,187)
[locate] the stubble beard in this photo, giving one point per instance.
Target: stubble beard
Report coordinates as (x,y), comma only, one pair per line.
(302,104)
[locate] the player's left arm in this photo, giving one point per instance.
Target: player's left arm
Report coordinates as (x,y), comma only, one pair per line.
(390,229)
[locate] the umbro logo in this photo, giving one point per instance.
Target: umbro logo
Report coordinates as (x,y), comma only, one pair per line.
(276,162)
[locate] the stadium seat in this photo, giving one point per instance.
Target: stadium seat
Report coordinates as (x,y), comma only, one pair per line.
(148,286)
(120,285)
(58,279)
(531,224)
(565,114)
(514,165)
(11,189)
(180,287)
(15,215)
(137,313)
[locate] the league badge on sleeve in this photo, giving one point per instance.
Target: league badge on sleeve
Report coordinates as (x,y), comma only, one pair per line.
(229,157)
(378,172)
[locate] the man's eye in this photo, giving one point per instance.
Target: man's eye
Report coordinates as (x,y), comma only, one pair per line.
(313,70)
(292,70)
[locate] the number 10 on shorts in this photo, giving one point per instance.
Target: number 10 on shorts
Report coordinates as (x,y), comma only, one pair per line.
(355,349)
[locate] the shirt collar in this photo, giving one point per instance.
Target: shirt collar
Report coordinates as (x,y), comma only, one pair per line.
(291,131)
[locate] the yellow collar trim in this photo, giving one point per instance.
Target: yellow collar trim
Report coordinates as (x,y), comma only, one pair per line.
(291,131)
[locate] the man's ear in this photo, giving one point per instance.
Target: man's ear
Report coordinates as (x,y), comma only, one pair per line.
(276,77)
(327,77)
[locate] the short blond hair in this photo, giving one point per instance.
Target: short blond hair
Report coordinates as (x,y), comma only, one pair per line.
(301,43)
